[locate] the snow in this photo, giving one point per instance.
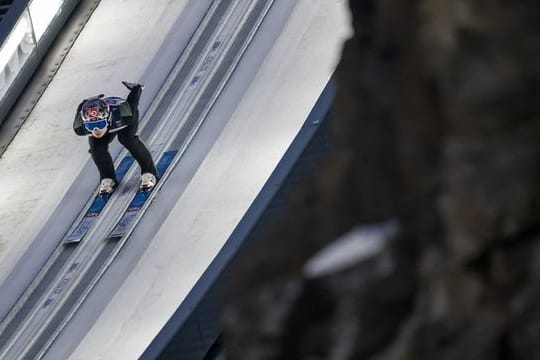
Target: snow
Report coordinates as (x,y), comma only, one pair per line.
(254,140)
(45,157)
(270,97)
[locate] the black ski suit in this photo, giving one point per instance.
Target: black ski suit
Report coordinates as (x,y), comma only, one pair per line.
(124,121)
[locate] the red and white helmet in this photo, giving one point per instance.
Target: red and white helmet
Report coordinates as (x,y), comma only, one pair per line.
(95,110)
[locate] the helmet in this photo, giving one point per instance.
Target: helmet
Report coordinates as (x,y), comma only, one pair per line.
(95,109)
(95,114)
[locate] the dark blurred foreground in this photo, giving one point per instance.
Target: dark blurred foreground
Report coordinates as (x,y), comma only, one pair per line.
(431,199)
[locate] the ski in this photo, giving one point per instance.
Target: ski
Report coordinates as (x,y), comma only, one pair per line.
(98,204)
(137,203)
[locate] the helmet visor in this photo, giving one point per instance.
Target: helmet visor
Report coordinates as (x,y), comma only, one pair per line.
(98,124)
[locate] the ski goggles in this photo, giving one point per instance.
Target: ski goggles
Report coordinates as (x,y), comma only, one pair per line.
(98,124)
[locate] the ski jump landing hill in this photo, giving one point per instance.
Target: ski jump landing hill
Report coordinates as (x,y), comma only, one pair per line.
(228,86)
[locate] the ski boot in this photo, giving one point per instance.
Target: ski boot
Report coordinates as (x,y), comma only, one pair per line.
(106,187)
(148,181)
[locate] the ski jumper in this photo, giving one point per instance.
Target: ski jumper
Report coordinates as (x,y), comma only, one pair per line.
(124,122)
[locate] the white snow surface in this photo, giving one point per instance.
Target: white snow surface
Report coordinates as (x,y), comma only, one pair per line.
(118,43)
(43,161)
(247,151)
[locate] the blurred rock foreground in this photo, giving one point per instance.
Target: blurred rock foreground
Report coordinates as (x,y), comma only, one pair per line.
(420,237)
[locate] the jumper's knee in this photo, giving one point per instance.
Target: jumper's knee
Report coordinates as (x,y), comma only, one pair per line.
(128,140)
(98,149)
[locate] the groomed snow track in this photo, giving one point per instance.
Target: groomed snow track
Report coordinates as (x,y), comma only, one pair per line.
(50,284)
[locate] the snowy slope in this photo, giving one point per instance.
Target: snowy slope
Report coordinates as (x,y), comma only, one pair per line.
(267,101)
(270,114)
(119,42)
